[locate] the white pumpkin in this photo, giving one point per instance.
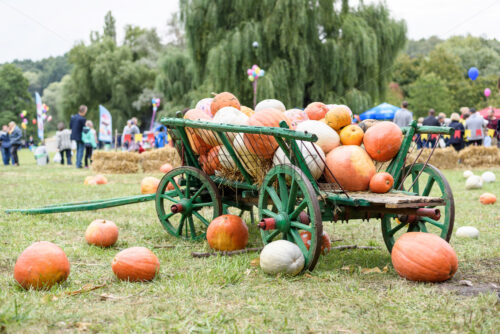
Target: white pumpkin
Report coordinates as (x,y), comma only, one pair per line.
(282,256)
(328,138)
(313,155)
(468,174)
(474,182)
(225,159)
(230,115)
(467,232)
(270,103)
(488,177)
(204,105)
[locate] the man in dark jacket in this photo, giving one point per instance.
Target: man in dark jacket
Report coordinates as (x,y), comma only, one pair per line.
(76,125)
(4,138)
(15,135)
(431,120)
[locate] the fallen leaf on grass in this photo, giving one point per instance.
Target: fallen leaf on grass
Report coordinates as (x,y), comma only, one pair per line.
(308,275)
(345,268)
(106,296)
(255,262)
(371,270)
(465,282)
(82,326)
(248,271)
(48,298)
(385,269)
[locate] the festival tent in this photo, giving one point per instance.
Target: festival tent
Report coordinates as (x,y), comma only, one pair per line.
(382,111)
(484,112)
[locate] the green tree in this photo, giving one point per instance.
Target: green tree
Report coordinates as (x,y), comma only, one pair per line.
(430,91)
(310,51)
(110,26)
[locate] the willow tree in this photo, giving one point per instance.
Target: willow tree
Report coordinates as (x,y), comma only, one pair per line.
(311,50)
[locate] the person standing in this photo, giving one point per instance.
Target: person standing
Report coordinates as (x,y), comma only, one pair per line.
(457,137)
(475,124)
(134,130)
(76,125)
(161,138)
(4,138)
(403,117)
(493,125)
(64,142)
(15,135)
(431,120)
(126,131)
(89,140)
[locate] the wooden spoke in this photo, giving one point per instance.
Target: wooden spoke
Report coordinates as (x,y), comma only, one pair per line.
(428,186)
(295,236)
(269,213)
(395,229)
(274,197)
(181,224)
(433,222)
(201,218)
(191,226)
(292,196)
(283,190)
(301,226)
(298,209)
(171,199)
(272,235)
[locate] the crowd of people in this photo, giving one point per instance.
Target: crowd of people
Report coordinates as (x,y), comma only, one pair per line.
(470,127)
(80,137)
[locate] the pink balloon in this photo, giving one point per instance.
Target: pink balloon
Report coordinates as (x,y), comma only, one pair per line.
(487,92)
(249,71)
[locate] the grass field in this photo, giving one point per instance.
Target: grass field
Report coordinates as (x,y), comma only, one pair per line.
(227,294)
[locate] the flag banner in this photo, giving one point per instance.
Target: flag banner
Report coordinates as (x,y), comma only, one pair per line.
(446,136)
(127,138)
(457,134)
(434,136)
(491,133)
(424,136)
(105,125)
(39,114)
(151,137)
(138,138)
(479,132)
(467,133)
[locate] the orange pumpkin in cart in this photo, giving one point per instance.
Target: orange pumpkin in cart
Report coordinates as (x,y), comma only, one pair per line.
(383,140)
(263,145)
(381,183)
(222,100)
(316,111)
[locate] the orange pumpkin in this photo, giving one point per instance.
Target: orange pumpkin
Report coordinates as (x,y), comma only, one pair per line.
(100,179)
(383,140)
(316,110)
(424,257)
(262,145)
(326,244)
(338,116)
(102,233)
(89,180)
(41,265)
(487,198)
(351,135)
(222,100)
(196,142)
(170,186)
(227,233)
(381,182)
(210,162)
(135,264)
(165,168)
(149,185)
(351,166)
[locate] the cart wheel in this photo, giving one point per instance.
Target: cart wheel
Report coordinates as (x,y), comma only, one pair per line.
(430,183)
(182,211)
(289,204)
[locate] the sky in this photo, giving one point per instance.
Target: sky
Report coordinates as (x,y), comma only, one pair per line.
(33,29)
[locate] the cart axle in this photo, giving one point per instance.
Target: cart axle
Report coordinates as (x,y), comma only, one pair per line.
(176,208)
(429,212)
(267,224)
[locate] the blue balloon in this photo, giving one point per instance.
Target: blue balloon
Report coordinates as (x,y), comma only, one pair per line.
(473,73)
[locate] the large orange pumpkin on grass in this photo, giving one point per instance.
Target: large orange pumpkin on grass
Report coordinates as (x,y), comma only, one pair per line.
(338,116)
(351,135)
(41,265)
(316,110)
(351,166)
(222,100)
(149,185)
(424,257)
(487,198)
(135,264)
(262,145)
(383,140)
(100,179)
(381,182)
(102,233)
(227,233)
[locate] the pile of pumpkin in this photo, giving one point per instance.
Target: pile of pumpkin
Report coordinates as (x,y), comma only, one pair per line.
(344,152)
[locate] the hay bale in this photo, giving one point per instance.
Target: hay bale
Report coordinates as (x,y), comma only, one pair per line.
(115,162)
(480,156)
(442,158)
(151,161)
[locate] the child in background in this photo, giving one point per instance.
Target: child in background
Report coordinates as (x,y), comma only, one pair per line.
(89,140)
(64,142)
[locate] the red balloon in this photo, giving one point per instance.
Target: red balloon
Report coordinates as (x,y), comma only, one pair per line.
(34,121)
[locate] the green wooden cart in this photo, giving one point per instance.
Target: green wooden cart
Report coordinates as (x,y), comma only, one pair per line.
(288,198)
